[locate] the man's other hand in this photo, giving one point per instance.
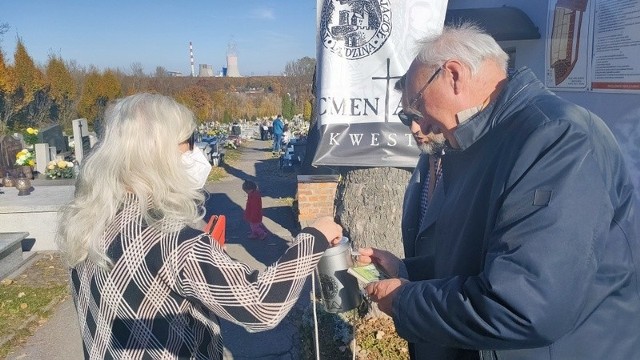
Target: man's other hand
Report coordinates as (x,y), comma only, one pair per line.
(383,292)
(387,261)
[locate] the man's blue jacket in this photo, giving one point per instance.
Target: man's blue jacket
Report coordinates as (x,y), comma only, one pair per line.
(529,249)
(278,126)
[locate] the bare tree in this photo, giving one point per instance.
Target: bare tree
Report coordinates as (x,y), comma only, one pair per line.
(4,28)
(298,76)
(301,67)
(161,72)
(137,77)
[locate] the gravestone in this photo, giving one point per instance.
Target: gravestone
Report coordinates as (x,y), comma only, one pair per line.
(81,140)
(11,252)
(43,156)
(54,136)
(9,147)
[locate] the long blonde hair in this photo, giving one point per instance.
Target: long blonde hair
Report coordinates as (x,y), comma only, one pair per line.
(138,155)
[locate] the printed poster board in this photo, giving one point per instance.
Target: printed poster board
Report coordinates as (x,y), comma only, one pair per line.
(593,45)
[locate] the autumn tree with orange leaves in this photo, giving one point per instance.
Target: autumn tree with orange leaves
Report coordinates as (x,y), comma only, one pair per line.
(63,91)
(98,90)
(23,88)
(59,91)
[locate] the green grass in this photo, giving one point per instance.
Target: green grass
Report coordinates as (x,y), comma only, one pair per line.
(24,301)
(231,156)
(376,338)
(286,201)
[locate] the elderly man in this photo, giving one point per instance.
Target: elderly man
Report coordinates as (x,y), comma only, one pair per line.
(530,250)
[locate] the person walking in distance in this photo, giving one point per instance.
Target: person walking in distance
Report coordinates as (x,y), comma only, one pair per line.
(264,130)
(278,130)
(253,211)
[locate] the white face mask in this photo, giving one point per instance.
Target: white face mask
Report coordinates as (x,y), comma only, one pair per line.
(197,166)
(464,115)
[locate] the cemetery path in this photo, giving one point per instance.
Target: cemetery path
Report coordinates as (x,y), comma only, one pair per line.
(59,338)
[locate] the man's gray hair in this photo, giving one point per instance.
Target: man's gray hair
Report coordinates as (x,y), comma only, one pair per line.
(465,42)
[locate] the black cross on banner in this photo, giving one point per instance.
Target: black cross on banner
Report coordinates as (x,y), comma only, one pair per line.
(386,98)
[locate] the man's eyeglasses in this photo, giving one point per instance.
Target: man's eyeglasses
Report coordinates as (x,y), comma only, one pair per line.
(408,119)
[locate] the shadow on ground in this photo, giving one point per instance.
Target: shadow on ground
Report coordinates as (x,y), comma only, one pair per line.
(278,189)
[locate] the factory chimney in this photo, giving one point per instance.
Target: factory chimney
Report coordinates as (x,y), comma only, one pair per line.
(193,69)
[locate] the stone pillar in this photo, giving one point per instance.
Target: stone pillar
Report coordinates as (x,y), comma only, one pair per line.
(43,157)
(80,138)
(315,197)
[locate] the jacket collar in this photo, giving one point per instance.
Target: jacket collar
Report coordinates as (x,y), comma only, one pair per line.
(513,96)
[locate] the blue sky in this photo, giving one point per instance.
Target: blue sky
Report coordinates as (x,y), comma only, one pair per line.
(117,33)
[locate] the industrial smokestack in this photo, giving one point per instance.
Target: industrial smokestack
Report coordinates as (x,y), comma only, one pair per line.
(193,69)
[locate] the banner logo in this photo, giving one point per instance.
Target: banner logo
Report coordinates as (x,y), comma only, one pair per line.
(354,29)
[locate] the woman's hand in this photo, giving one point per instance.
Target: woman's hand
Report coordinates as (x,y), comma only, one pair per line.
(329,228)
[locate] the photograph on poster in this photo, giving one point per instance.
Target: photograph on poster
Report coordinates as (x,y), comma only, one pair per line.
(567,48)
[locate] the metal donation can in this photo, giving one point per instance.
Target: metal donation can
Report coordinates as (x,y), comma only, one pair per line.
(340,290)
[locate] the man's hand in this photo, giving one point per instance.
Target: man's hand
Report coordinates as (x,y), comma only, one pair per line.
(386,260)
(383,292)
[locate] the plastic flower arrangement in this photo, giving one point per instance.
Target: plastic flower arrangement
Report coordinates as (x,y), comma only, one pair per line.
(217,132)
(59,169)
(30,136)
(230,145)
(25,158)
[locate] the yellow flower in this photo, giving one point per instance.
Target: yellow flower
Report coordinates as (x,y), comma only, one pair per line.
(51,166)
(52,163)
(31,131)
(32,162)
(62,164)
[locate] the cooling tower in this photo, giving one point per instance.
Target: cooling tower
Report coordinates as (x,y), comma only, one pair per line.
(232,61)
(205,70)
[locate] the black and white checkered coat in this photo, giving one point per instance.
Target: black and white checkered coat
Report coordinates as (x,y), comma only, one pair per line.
(164,294)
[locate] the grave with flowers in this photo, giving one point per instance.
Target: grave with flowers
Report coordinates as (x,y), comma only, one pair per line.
(51,188)
(60,169)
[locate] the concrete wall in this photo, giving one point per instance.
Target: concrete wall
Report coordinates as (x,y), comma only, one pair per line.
(36,213)
(621,112)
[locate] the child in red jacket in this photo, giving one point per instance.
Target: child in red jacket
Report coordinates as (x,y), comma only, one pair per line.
(253,211)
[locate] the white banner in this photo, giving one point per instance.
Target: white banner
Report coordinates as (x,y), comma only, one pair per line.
(363,48)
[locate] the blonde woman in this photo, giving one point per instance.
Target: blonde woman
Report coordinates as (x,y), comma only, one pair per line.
(146,285)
